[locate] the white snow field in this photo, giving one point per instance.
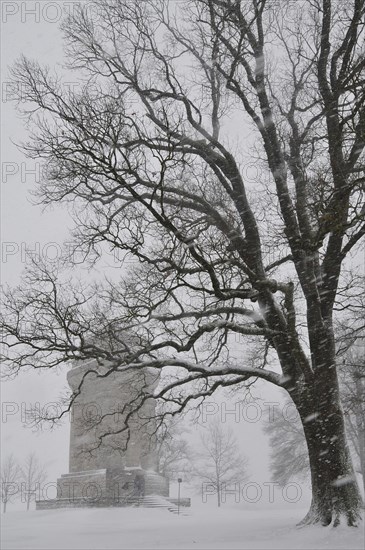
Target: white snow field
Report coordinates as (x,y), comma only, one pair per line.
(203,528)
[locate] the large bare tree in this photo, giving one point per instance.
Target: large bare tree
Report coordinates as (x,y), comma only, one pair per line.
(151,154)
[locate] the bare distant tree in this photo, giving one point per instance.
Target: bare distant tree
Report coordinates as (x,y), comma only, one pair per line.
(10,479)
(151,152)
(352,380)
(173,452)
(33,474)
(289,453)
(351,361)
(220,463)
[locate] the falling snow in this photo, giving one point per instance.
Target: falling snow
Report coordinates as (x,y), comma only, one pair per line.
(311,417)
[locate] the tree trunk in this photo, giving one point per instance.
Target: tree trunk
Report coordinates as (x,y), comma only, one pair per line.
(335,493)
(4,507)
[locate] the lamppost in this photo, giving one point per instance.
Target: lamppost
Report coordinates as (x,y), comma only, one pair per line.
(179,480)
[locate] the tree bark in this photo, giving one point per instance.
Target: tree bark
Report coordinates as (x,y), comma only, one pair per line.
(335,493)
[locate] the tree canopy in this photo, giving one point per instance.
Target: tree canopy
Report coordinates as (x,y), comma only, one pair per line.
(178,103)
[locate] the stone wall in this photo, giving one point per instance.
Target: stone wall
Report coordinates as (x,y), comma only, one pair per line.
(105,431)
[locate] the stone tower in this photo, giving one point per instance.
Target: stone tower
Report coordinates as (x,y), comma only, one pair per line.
(111,426)
(113,458)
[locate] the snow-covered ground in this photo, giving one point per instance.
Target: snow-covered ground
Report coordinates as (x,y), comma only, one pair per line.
(205,527)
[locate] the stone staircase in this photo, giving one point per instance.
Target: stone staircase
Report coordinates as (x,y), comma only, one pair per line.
(157,501)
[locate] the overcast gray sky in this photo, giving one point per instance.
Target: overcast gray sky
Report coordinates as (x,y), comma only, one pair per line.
(30,28)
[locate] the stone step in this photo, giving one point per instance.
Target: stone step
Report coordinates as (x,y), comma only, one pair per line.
(156,501)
